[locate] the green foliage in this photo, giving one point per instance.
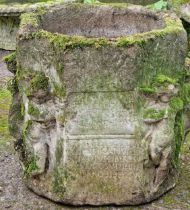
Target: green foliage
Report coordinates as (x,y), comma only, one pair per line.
(186,94)
(5,99)
(90,1)
(177,3)
(160,5)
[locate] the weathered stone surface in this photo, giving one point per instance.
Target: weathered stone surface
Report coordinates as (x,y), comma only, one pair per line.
(103,110)
(185,12)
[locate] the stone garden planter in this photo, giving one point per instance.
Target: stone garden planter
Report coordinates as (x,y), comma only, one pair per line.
(10,11)
(97,108)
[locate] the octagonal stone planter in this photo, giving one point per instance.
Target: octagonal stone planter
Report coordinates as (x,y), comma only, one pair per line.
(97,103)
(10,11)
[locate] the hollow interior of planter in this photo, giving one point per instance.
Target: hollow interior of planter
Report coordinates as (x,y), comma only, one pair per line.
(100,21)
(138,2)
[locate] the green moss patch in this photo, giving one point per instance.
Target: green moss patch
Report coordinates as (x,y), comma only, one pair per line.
(70,42)
(154,114)
(32,110)
(147,90)
(38,82)
(29,19)
(30,166)
(158,84)
(163,79)
(176,104)
(10,60)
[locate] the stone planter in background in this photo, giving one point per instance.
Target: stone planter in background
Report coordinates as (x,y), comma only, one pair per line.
(97,102)
(10,12)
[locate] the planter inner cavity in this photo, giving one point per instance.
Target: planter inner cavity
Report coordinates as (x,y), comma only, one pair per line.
(101,22)
(100,114)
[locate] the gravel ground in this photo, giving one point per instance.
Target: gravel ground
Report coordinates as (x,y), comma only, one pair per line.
(15,196)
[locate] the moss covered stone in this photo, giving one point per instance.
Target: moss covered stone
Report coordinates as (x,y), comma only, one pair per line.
(154,114)
(10,60)
(177,104)
(32,110)
(38,82)
(30,166)
(110,97)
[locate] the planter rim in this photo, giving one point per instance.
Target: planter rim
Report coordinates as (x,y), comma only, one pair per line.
(30,27)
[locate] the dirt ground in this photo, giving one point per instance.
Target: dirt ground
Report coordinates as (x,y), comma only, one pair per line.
(15,196)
